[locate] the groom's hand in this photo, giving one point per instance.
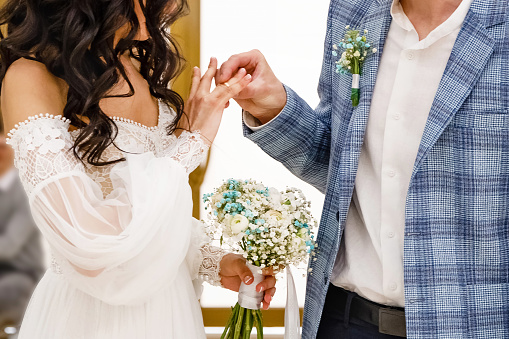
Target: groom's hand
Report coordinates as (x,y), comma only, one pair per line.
(265,96)
(234,270)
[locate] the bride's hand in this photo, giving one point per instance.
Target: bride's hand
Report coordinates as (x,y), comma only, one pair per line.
(204,108)
(234,270)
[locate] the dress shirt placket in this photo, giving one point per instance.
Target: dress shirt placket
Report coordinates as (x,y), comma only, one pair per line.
(394,173)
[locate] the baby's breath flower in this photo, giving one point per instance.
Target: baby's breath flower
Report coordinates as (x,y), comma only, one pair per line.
(261,223)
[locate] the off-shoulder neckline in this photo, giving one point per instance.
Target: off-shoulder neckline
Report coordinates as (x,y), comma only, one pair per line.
(162,107)
(138,124)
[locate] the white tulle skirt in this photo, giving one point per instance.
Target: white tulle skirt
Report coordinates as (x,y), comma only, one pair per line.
(58,310)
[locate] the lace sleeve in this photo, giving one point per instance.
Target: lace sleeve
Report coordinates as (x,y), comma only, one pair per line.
(210,265)
(189,150)
(107,247)
(41,145)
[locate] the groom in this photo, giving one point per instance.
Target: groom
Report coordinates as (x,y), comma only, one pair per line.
(414,237)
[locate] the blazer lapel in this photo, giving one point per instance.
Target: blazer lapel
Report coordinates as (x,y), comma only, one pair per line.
(472,50)
(377,21)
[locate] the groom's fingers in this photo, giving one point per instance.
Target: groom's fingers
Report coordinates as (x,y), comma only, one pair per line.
(249,61)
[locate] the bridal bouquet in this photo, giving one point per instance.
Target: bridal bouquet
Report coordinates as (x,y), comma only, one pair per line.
(269,228)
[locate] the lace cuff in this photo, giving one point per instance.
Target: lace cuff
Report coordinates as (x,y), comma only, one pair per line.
(189,150)
(211,264)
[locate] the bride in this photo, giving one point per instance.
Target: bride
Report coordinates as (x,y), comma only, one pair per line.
(104,149)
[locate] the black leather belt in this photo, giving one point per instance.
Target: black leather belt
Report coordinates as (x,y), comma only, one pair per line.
(390,320)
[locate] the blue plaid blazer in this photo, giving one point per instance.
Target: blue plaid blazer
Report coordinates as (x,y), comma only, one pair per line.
(456,254)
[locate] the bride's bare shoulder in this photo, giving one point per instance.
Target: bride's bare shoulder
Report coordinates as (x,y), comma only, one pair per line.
(28,89)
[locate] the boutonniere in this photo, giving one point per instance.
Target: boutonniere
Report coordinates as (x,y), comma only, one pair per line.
(356,49)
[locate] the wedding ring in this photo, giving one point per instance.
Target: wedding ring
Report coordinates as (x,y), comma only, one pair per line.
(227,84)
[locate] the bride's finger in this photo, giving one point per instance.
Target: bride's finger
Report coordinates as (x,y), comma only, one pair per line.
(195,82)
(227,91)
(206,81)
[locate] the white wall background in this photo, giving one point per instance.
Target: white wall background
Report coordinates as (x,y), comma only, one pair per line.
(291,34)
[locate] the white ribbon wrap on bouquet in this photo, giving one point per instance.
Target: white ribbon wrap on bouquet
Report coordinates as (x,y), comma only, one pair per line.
(248,297)
(292,316)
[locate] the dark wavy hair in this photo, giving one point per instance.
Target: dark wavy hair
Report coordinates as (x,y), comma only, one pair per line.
(75,40)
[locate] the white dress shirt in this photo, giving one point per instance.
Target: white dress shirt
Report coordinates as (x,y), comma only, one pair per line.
(370,261)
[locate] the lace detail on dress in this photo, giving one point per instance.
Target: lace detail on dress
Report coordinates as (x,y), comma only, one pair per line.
(55,266)
(189,150)
(41,145)
(211,264)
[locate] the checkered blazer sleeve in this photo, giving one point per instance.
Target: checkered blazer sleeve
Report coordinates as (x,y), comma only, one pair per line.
(300,137)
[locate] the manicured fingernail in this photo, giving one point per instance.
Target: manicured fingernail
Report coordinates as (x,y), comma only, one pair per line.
(248,280)
(248,77)
(259,289)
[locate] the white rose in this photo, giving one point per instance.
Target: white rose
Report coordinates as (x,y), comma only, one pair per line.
(239,224)
(298,243)
(357,54)
(275,214)
(275,195)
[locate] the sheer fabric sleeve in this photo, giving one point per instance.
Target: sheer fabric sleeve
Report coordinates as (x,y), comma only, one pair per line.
(190,150)
(120,249)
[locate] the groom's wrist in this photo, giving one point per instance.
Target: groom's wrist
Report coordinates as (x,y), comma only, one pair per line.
(253,123)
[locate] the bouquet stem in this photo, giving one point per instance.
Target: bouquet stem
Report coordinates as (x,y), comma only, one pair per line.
(355,97)
(246,314)
(241,323)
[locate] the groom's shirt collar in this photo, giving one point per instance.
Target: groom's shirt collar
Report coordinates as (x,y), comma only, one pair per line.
(454,22)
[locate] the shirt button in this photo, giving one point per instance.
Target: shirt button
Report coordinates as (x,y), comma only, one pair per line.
(396,116)
(390,234)
(410,55)
(392,174)
(393,286)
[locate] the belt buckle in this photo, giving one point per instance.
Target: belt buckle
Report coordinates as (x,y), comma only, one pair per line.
(392,322)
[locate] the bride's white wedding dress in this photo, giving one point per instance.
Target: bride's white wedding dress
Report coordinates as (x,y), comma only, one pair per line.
(127,256)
